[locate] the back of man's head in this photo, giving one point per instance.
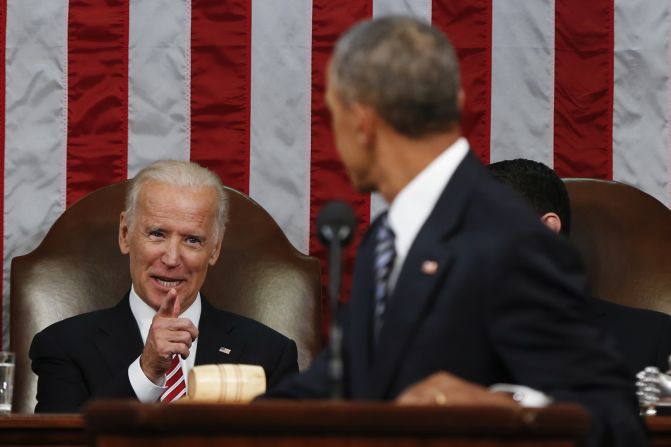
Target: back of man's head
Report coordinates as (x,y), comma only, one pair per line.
(540,186)
(404,69)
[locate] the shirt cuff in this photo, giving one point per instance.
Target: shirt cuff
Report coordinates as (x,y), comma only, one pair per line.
(145,390)
(525,396)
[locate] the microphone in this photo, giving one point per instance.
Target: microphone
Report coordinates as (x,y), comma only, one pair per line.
(336,221)
(335,228)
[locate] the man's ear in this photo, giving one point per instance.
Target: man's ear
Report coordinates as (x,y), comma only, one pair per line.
(365,122)
(552,221)
(217,249)
(461,99)
(123,234)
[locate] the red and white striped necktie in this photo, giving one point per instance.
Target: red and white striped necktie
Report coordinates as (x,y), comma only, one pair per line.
(175,382)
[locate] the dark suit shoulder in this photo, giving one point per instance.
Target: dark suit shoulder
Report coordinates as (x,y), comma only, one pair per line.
(642,335)
(647,315)
(251,326)
(83,322)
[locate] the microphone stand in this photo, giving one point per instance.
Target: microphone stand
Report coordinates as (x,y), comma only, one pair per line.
(336,223)
(335,365)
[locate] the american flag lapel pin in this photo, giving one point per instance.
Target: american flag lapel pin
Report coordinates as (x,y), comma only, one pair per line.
(224,350)
(429,267)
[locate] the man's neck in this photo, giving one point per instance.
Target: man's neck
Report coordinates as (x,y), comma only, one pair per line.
(401,159)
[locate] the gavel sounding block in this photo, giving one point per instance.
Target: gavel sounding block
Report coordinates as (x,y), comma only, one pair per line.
(226,383)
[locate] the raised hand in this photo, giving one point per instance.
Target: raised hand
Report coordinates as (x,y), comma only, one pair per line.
(168,336)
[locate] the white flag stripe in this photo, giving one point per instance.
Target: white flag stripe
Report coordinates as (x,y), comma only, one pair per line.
(641,106)
(522,101)
(417,8)
(35,126)
(279,177)
(159,108)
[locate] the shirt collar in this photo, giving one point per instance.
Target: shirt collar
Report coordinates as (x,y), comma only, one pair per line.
(144,313)
(412,206)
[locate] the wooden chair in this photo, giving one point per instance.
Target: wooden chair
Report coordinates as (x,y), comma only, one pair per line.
(78,268)
(624,236)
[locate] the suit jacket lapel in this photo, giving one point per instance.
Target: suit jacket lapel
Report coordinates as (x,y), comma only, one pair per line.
(417,284)
(119,340)
(360,308)
(118,324)
(216,335)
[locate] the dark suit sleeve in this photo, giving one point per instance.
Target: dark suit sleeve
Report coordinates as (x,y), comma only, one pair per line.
(286,365)
(62,386)
(315,383)
(542,331)
(310,384)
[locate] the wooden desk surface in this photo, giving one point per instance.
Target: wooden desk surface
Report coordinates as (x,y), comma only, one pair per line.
(273,424)
(660,430)
(30,429)
(68,429)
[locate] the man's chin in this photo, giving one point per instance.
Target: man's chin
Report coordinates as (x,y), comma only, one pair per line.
(363,187)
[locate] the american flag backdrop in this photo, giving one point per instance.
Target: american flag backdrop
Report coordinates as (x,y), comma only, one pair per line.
(96,89)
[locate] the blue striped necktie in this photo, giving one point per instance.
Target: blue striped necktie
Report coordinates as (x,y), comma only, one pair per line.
(385,253)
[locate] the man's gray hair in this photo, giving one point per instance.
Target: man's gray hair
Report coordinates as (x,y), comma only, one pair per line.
(402,67)
(181,174)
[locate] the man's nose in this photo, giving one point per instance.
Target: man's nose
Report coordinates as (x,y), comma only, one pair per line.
(171,255)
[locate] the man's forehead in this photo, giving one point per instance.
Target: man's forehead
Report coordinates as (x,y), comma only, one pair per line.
(153,191)
(164,202)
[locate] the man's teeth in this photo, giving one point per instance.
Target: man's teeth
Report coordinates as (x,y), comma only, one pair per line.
(167,283)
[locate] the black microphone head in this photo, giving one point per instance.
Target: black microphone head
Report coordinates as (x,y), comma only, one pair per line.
(336,221)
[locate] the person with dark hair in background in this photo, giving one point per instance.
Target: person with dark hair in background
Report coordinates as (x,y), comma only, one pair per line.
(459,286)
(643,336)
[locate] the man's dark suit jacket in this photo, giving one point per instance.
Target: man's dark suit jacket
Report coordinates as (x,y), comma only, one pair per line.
(642,336)
(87,356)
(507,304)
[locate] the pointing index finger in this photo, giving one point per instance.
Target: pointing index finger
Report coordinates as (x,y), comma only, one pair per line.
(170,307)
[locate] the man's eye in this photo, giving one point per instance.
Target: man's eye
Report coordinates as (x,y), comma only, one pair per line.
(193,240)
(155,234)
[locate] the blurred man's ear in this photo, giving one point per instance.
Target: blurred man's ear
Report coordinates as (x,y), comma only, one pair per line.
(552,221)
(461,98)
(365,119)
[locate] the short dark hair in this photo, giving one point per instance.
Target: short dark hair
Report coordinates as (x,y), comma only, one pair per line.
(540,186)
(403,68)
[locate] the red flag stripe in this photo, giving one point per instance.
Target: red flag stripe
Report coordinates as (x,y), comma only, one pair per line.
(220,88)
(468,24)
(583,115)
(328,179)
(97,95)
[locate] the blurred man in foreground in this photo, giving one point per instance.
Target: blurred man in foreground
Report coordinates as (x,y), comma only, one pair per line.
(642,336)
(459,286)
(143,348)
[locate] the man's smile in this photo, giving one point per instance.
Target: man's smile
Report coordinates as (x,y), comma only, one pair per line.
(165,282)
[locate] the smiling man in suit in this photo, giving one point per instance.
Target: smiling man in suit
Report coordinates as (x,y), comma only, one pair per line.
(143,348)
(459,286)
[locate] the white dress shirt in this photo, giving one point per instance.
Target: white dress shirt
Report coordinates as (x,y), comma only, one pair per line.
(146,390)
(412,206)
